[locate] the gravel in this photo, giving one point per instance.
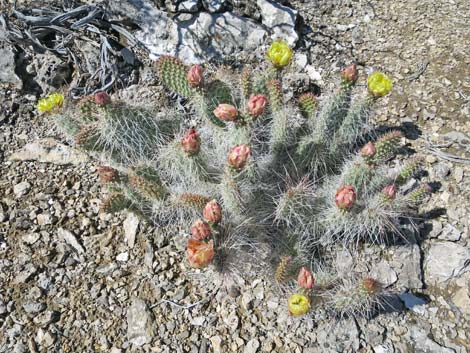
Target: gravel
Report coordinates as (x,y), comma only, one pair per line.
(76,280)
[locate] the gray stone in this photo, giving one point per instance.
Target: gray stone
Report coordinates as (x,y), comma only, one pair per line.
(446,260)
(189,6)
(251,346)
(45,318)
(123,257)
(442,170)
(216,342)
(407,261)
(45,338)
(279,19)
(451,233)
(384,273)
(139,323)
(44,219)
(213,5)
(130,225)
(34,308)
(21,189)
(461,299)
(70,239)
(49,151)
(423,343)
(7,68)
(30,238)
(202,37)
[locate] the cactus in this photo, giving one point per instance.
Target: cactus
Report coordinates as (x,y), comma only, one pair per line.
(258,180)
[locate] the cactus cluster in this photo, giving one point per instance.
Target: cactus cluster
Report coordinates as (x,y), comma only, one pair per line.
(305,179)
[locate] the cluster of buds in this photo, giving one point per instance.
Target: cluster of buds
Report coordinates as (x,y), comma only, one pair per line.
(200,248)
(345,197)
(299,303)
(238,156)
(195,76)
(191,142)
(368,152)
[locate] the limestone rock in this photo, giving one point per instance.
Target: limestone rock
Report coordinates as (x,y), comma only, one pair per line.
(49,151)
(446,260)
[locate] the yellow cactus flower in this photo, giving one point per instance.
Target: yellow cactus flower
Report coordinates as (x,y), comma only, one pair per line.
(379,84)
(51,102)
(279,53)
(298,304)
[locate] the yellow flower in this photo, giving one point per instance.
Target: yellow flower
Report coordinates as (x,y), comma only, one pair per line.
(379,84)
(279,53)
(53,101)
(298,304)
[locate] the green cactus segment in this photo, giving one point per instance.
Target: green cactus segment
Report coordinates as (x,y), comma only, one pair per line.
(359,176)
(417,196)
(115,202)
(88,138)
(387,146)
(410,169)
(147,183)
(308,105)
(217,92)
(173,74)
(275,95)
(246,82)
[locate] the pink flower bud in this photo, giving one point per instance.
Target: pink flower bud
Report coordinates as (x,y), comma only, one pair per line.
(238,156)
(345,197)
(200,230)
(226,112)
(349,74)
(212,212)
(191,142)
(390,191)
(257,104)
(102,98)
(199,253)
(194,75)
(368,150)
(305,279)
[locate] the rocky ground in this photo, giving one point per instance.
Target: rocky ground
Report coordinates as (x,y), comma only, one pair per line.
(76,280)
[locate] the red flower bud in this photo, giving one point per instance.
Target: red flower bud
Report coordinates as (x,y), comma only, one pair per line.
(212,212)
(191,142)
(305,279)
(107,174)
(350,74)
(257,104)
(345,197)
(368,150)
(390,191)
(200,230)
(370,285)
(199,253)
(238,156)
(102,98)
(226,112)
(194,75)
